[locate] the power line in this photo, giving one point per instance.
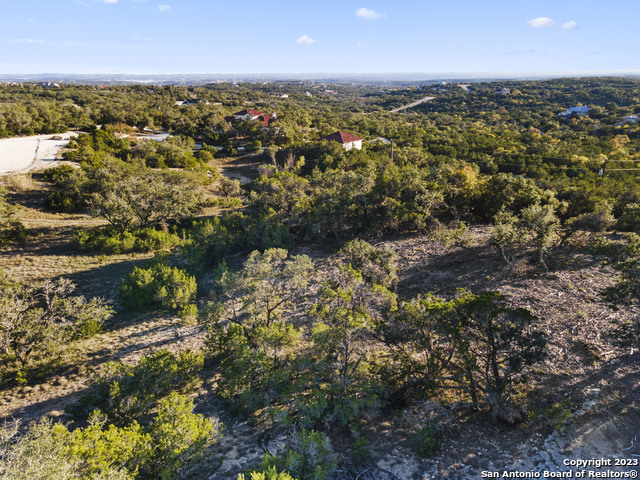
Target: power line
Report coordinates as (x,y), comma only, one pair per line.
(546,159)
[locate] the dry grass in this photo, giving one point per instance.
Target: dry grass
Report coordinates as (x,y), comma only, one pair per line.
(19,183)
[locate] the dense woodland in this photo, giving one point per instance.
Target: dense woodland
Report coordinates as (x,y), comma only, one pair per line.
(324,342)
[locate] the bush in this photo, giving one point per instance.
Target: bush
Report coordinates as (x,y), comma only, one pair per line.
(126,393)
(179,437)
(452,237)
(268,474)
(109,241)
(44,315)
(378,265)
(361,451)
(58,173)
(615,251)
(42,453)
(629,220)
(19,183)
(159,286)
(172,443)
(309,458)
(426,440)
(11,229)
(254,146)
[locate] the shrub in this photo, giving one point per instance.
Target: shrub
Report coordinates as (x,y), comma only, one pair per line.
(109,241)
(254,146)
(19,183)
(59,173)
(426,440)
(451,237)
(361,451)
(11,229)
(597,221)
(309,458)
(179,437)
(43,453)
(125,393)
(44,315)
(629,220)
(159,286)
(377,265)
(268,474)
(615,251)
(173,442)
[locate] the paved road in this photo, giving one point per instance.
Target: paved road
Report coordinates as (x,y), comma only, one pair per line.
(417,102)
(21,154)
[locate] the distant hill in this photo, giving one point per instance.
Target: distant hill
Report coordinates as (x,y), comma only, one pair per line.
(375,78)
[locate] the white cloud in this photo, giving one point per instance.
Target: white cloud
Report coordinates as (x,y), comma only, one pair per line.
(305,40)
(108,1)
(367,13)
(541,22)
(27,40)
(164,8)
(519,51)
(570,25)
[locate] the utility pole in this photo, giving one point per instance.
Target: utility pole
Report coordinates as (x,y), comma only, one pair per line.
(391,151)
(603,170)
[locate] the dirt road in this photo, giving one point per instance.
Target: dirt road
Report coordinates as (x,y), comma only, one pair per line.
(23,154)
(416,103)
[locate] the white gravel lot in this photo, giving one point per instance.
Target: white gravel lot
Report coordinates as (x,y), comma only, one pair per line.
(24,154)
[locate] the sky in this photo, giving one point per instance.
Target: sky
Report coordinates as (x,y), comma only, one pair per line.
(285,36)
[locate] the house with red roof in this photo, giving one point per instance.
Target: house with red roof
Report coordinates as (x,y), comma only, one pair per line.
(347,140)
(250,114)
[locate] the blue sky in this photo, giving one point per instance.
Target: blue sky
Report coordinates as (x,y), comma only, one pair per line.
(247,36)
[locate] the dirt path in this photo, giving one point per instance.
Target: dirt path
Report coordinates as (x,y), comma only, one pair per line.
(411,105)
(244,169)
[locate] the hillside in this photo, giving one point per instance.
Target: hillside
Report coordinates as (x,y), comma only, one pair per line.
(460,304)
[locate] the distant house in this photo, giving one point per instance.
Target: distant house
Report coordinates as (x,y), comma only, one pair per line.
(248,114)
(253,115)
(347,140)
(191,101)
(49,85)
(630,119)
(503,91)
(581,111)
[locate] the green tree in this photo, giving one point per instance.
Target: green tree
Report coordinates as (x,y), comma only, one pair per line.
(272,281)
(494,343)
(542,224)
(10,228)
(310,457)
(378,265)
(124,393)
(347,314)
(158,286)
(44,315)
(130,196)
